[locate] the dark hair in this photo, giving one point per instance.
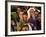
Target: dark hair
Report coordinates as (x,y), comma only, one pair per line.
(39,12)
(21,9)
(36,11)
(25,13)
(24,26)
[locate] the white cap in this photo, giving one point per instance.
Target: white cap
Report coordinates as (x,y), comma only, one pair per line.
(38,10)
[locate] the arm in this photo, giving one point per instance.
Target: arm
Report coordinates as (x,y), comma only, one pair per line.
(28,12)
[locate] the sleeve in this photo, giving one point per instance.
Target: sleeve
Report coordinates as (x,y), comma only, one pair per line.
(18,27)
(30,28)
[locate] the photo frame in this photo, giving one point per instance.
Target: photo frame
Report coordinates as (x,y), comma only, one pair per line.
(9,8)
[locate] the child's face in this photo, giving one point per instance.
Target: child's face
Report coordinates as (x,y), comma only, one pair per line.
(25,29)
(36,13)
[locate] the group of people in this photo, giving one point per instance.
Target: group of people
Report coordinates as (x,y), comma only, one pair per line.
(28,19)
